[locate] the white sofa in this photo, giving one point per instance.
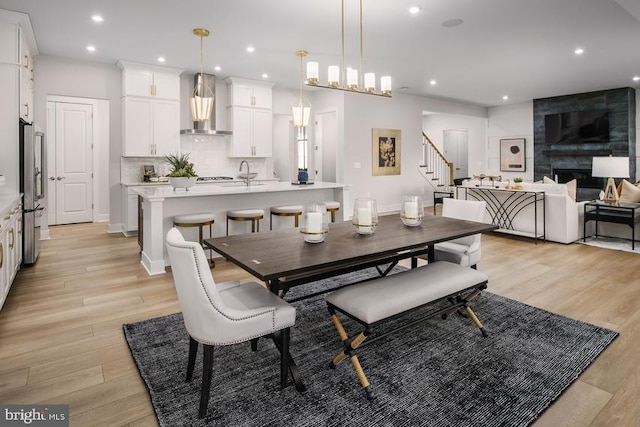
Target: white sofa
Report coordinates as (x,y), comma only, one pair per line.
(564,217)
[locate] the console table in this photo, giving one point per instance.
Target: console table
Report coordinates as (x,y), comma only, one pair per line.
(438,195)
(623,213)
(504,205)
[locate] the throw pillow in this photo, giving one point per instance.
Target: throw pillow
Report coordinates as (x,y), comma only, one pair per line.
(572,189)
(630,193)
(547,180)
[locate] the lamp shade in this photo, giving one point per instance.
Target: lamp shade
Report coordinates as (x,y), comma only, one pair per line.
(614,167)
(300,116)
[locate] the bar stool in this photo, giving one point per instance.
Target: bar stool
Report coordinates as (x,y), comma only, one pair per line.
(292,210)
(333,207)
(199,220)
(253,215)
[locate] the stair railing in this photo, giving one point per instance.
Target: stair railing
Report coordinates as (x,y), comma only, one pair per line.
(436,163)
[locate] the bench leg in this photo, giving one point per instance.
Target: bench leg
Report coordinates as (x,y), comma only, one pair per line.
(349,346)
(476,321)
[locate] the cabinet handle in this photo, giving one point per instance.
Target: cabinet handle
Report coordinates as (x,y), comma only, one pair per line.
(26,62)
(1,255)
(26,110)
(19,226)
(13,239)
(60,178)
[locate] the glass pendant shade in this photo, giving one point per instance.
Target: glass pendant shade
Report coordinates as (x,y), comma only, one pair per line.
(313,74)
(300,116)
(201,108)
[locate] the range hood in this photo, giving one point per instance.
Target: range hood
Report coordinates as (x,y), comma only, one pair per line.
(208,127)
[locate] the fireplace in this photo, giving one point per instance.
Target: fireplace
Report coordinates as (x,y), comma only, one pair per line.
(588,186)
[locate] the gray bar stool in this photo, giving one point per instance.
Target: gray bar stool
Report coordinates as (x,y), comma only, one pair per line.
(332,208)
(253,215)
(199,220)
(292,210)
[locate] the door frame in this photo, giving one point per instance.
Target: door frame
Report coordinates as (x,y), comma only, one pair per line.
(100,156)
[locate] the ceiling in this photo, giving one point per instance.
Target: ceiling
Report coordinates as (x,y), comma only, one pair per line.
(520,48)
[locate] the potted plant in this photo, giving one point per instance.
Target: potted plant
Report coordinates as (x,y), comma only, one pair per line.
(182,174)
(517,183)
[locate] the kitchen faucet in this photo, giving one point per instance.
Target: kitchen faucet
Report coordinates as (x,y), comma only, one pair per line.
(248,170)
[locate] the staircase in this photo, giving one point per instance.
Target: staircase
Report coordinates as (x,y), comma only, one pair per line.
(437,170)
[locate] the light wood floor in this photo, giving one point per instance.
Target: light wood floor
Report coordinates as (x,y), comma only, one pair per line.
(61,337)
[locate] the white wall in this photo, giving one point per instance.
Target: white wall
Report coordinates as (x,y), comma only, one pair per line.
(434,126)
(83,79)
(510,121)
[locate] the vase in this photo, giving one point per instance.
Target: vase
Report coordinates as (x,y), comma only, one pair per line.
(365,216)
(411,211)
(314,223)
(303,175)
(182,182)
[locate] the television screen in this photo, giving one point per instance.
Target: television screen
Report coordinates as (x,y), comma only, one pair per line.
(577,127)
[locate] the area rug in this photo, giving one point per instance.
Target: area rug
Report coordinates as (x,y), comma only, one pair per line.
(611,243)
(438,373)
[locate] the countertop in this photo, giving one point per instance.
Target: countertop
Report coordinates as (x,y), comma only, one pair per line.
(166,192)
(231,181)
(7,200)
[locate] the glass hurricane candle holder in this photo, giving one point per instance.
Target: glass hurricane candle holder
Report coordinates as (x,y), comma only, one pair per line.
(314,223)
(412,210)
(365,216)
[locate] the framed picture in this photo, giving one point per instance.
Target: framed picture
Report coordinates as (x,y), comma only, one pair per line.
(385,147)
(512,158)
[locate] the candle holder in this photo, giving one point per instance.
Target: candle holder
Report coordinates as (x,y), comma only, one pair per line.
(314,223)
(412,211)
(365,216)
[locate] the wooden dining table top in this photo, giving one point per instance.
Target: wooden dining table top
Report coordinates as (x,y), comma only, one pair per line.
(276,255)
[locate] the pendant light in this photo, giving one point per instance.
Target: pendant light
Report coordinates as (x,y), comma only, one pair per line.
(301,112)
(202,98)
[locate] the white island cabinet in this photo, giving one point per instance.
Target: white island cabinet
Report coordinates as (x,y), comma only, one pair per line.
(10,241)
(161,203)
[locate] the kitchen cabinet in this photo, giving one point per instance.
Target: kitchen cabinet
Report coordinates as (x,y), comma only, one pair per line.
(151,126)
(16,88)
(150,81)
(10,244)
(151,110)
(250,118)
(129,211)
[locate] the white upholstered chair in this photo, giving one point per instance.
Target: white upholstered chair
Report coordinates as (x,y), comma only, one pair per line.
(223,314)
(465,251)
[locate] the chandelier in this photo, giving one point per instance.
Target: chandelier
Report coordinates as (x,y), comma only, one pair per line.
(202,97)
(355,80)
(302,111)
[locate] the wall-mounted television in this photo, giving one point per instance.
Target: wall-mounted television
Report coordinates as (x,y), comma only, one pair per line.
(577,127)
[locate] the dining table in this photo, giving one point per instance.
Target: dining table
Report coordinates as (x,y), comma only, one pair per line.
(283,259)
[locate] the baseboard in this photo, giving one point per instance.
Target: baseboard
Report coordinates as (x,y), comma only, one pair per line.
(114,228)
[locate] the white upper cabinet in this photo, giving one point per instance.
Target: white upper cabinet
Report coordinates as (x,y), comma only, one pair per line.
(250,118)
(150,81)
(151,110)
(26,80)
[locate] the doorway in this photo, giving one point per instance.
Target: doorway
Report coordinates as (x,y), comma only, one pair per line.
(326,146)
(456,150)
(70,162)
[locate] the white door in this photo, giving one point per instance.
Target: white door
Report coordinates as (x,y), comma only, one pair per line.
(456,151)
(72,171)
(326,146)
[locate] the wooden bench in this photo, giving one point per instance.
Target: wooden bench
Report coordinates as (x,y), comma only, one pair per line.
(390,297)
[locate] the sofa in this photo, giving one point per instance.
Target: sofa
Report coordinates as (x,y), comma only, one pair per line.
(564,217)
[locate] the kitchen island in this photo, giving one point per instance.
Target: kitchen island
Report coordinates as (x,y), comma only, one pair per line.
(160,204)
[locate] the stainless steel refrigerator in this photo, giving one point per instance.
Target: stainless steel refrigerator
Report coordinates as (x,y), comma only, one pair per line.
(33,170)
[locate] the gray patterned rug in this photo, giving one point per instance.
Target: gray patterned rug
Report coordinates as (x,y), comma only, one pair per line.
(439,373)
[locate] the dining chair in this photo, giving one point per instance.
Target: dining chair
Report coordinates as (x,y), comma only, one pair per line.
(225,313)
(465,251)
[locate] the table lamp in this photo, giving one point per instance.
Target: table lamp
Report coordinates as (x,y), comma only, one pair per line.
(610,167)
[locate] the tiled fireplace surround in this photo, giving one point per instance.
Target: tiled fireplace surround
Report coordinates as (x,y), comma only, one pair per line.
(569,161)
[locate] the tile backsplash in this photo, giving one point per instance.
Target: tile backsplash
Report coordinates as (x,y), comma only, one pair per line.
(208,154)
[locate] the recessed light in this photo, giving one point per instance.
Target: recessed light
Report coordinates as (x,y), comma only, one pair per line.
(636,78)
(579,51)
(217,68)
(415,9)
(91,48)
(452,23)
(97,18)
(161,59)
(433,82)
(251,49)
(265,76)
(505,97)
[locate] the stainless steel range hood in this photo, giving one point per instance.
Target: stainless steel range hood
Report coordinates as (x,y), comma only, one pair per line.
(209,127)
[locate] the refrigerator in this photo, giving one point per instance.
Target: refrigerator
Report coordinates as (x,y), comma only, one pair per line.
(33,171)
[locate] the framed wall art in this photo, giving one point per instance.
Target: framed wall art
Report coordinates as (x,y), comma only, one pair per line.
(385,147)
(512,155)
